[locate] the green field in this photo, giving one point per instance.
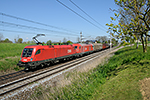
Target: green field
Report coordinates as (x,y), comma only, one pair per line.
(116,80)
(10,49)
(9,55)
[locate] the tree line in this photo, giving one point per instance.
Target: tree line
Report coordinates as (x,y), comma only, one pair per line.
(99,39)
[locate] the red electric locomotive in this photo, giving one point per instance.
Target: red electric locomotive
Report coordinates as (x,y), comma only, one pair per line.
(33,56)
(83,49)
(39,55)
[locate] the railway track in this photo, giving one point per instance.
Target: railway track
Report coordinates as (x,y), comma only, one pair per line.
(31,77)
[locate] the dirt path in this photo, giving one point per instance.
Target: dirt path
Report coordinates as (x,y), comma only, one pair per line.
(145,88)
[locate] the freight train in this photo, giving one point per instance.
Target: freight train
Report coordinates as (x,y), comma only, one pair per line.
(40,55)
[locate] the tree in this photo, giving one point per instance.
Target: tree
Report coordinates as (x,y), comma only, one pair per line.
(30,42)
(49,42)
(43,43)
(1,36)
(102,38)
(20,40)
(64,40)
(98,38)
(134,18)
(7,41)
(114,41)
(78,39)
(69,42)
(15,40)
(24,42)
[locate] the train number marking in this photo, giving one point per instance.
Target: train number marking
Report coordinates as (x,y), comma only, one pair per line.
(69,50)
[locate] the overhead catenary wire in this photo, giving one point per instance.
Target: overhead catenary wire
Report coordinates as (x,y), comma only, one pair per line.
(17,31)
(29,27)
(36,22)
(86,14)
(80,15)
(5,30)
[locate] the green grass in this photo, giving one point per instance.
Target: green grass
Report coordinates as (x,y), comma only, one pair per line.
(124,85)
(124,70)
(116,80)
(10,55)
(11,49)
(9,64)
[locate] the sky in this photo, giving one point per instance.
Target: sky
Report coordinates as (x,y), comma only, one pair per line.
(26,18)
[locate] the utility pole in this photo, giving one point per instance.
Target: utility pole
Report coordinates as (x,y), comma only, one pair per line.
(81,36)
(110,42)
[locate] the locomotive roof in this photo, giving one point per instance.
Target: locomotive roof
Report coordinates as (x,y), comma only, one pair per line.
(84,44)
(48,46)
(61,46)
(33,46)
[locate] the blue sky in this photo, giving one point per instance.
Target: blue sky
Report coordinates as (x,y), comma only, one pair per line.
(50,12)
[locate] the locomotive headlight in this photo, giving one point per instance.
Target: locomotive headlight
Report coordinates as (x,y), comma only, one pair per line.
(31,59)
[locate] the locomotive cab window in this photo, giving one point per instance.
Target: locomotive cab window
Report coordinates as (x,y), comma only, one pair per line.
(38,52)
(80,47)
(27,52)
(75,47)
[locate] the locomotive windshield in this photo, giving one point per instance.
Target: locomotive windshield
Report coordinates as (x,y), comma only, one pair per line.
(27,52)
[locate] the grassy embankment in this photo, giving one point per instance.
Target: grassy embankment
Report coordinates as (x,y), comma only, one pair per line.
(116,80)
(10,55)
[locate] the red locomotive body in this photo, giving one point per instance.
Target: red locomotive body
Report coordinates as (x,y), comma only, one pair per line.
(87,48)
(33,56)
(77,48)
(37,53)
(105,45)
(83,49)
(63,50)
